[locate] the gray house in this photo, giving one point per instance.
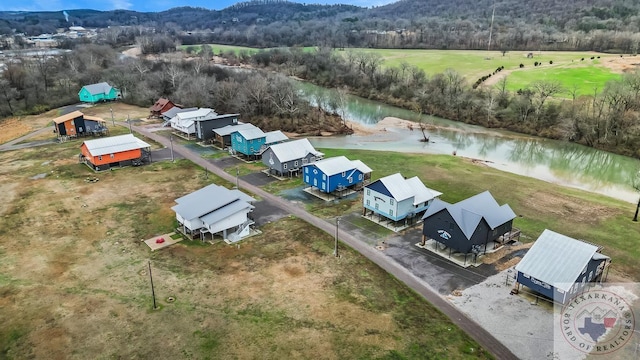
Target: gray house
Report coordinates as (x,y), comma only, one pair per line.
(560,267)
(469,225)
(288,157)
(171,113)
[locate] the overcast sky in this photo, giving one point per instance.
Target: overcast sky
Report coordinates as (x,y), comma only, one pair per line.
(150,5)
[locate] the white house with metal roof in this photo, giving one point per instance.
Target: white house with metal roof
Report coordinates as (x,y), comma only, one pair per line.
(215,210)
(467,226)
(288,157)
(559,267)
(397,198)
(185,121)
(335,174)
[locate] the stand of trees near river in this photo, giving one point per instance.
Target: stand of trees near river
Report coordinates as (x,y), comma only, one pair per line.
(41,82)
(608,120)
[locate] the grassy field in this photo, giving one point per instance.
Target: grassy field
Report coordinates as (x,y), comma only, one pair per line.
(538,204)
(217,48)
(74,282)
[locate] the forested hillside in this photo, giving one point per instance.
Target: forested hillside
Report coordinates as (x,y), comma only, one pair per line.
(599,25)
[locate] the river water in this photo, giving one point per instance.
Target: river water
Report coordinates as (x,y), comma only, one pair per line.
(554,161)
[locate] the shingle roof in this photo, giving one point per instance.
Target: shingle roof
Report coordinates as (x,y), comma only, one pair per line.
(295,149)
(401,188)
(67,117)
(557,259)
(114,144)
(274,137)
(227,130)
(468,213)
(211,199)
(99,88)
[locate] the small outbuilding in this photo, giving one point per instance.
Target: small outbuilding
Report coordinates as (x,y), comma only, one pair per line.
(215,210)
(335,174)
(98,92)
(559,267)
(115,151)
(160,106)
(287,158)
(396,198)
(468,226)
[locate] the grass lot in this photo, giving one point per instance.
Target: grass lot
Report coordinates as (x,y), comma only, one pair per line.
(217,48)
(74,281)
(584,79)
(538,204)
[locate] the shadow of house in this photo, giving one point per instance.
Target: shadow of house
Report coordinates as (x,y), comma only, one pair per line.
(467,226)
(559,267)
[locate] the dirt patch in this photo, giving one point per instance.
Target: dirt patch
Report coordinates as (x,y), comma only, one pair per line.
(569,207)
(622,64)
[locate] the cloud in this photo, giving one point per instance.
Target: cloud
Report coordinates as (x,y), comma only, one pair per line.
(121,4)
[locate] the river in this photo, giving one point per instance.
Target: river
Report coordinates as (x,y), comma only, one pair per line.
(558,162)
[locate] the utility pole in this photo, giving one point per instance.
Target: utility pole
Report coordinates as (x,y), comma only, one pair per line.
(171,142)
(112,120)
(153,293)
(335,251)
(491,27)
(129,121)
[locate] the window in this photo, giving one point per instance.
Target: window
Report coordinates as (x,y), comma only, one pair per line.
(391,212)
(390,201)
(284,166)
(368,203)
(344,173)
(324,177)
(112,156)
(99,157)
(295,163)
(306,179)
(350,180)
(306,171)
(315,182)
(368,192)
(324,186)
(376,206)
(360,177)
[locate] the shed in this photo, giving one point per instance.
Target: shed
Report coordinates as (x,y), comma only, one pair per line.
(160,106)
(215,210)
(397,198)
(114,151)
(559,267)
(287,158)
(467,226)
(98,92)
(335,174)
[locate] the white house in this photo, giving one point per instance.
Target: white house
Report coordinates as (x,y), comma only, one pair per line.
(397,198)
(185,121)
(215,210)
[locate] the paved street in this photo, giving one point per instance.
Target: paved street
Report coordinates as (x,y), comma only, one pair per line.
(404,272)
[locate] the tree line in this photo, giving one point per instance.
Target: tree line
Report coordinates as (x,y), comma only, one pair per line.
(42,82)
(608,119)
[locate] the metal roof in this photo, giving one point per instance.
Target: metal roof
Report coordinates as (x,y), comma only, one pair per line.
(225,211)
(401,188)
(67,117)
(468,213)
(194,114)
(251,133)
(99,88)
(93,118)
(114,144)
(159,104)
(333,165)
(176,110)
(361,166)
(557,259)
(229,129)
(295,149)
(205,201)
(274,137)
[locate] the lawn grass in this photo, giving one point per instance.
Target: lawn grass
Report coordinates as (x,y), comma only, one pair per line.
(538,204)
(218,49)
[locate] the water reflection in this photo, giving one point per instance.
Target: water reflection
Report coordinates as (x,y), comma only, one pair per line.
(554,161)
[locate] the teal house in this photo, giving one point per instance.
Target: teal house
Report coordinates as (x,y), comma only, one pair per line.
(98,92)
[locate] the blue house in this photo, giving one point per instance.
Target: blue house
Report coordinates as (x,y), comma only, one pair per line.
(397,198)
(250,141)
(335,174)
(559,267)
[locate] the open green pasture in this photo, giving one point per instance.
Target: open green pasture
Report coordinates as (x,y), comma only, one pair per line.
(218,48)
